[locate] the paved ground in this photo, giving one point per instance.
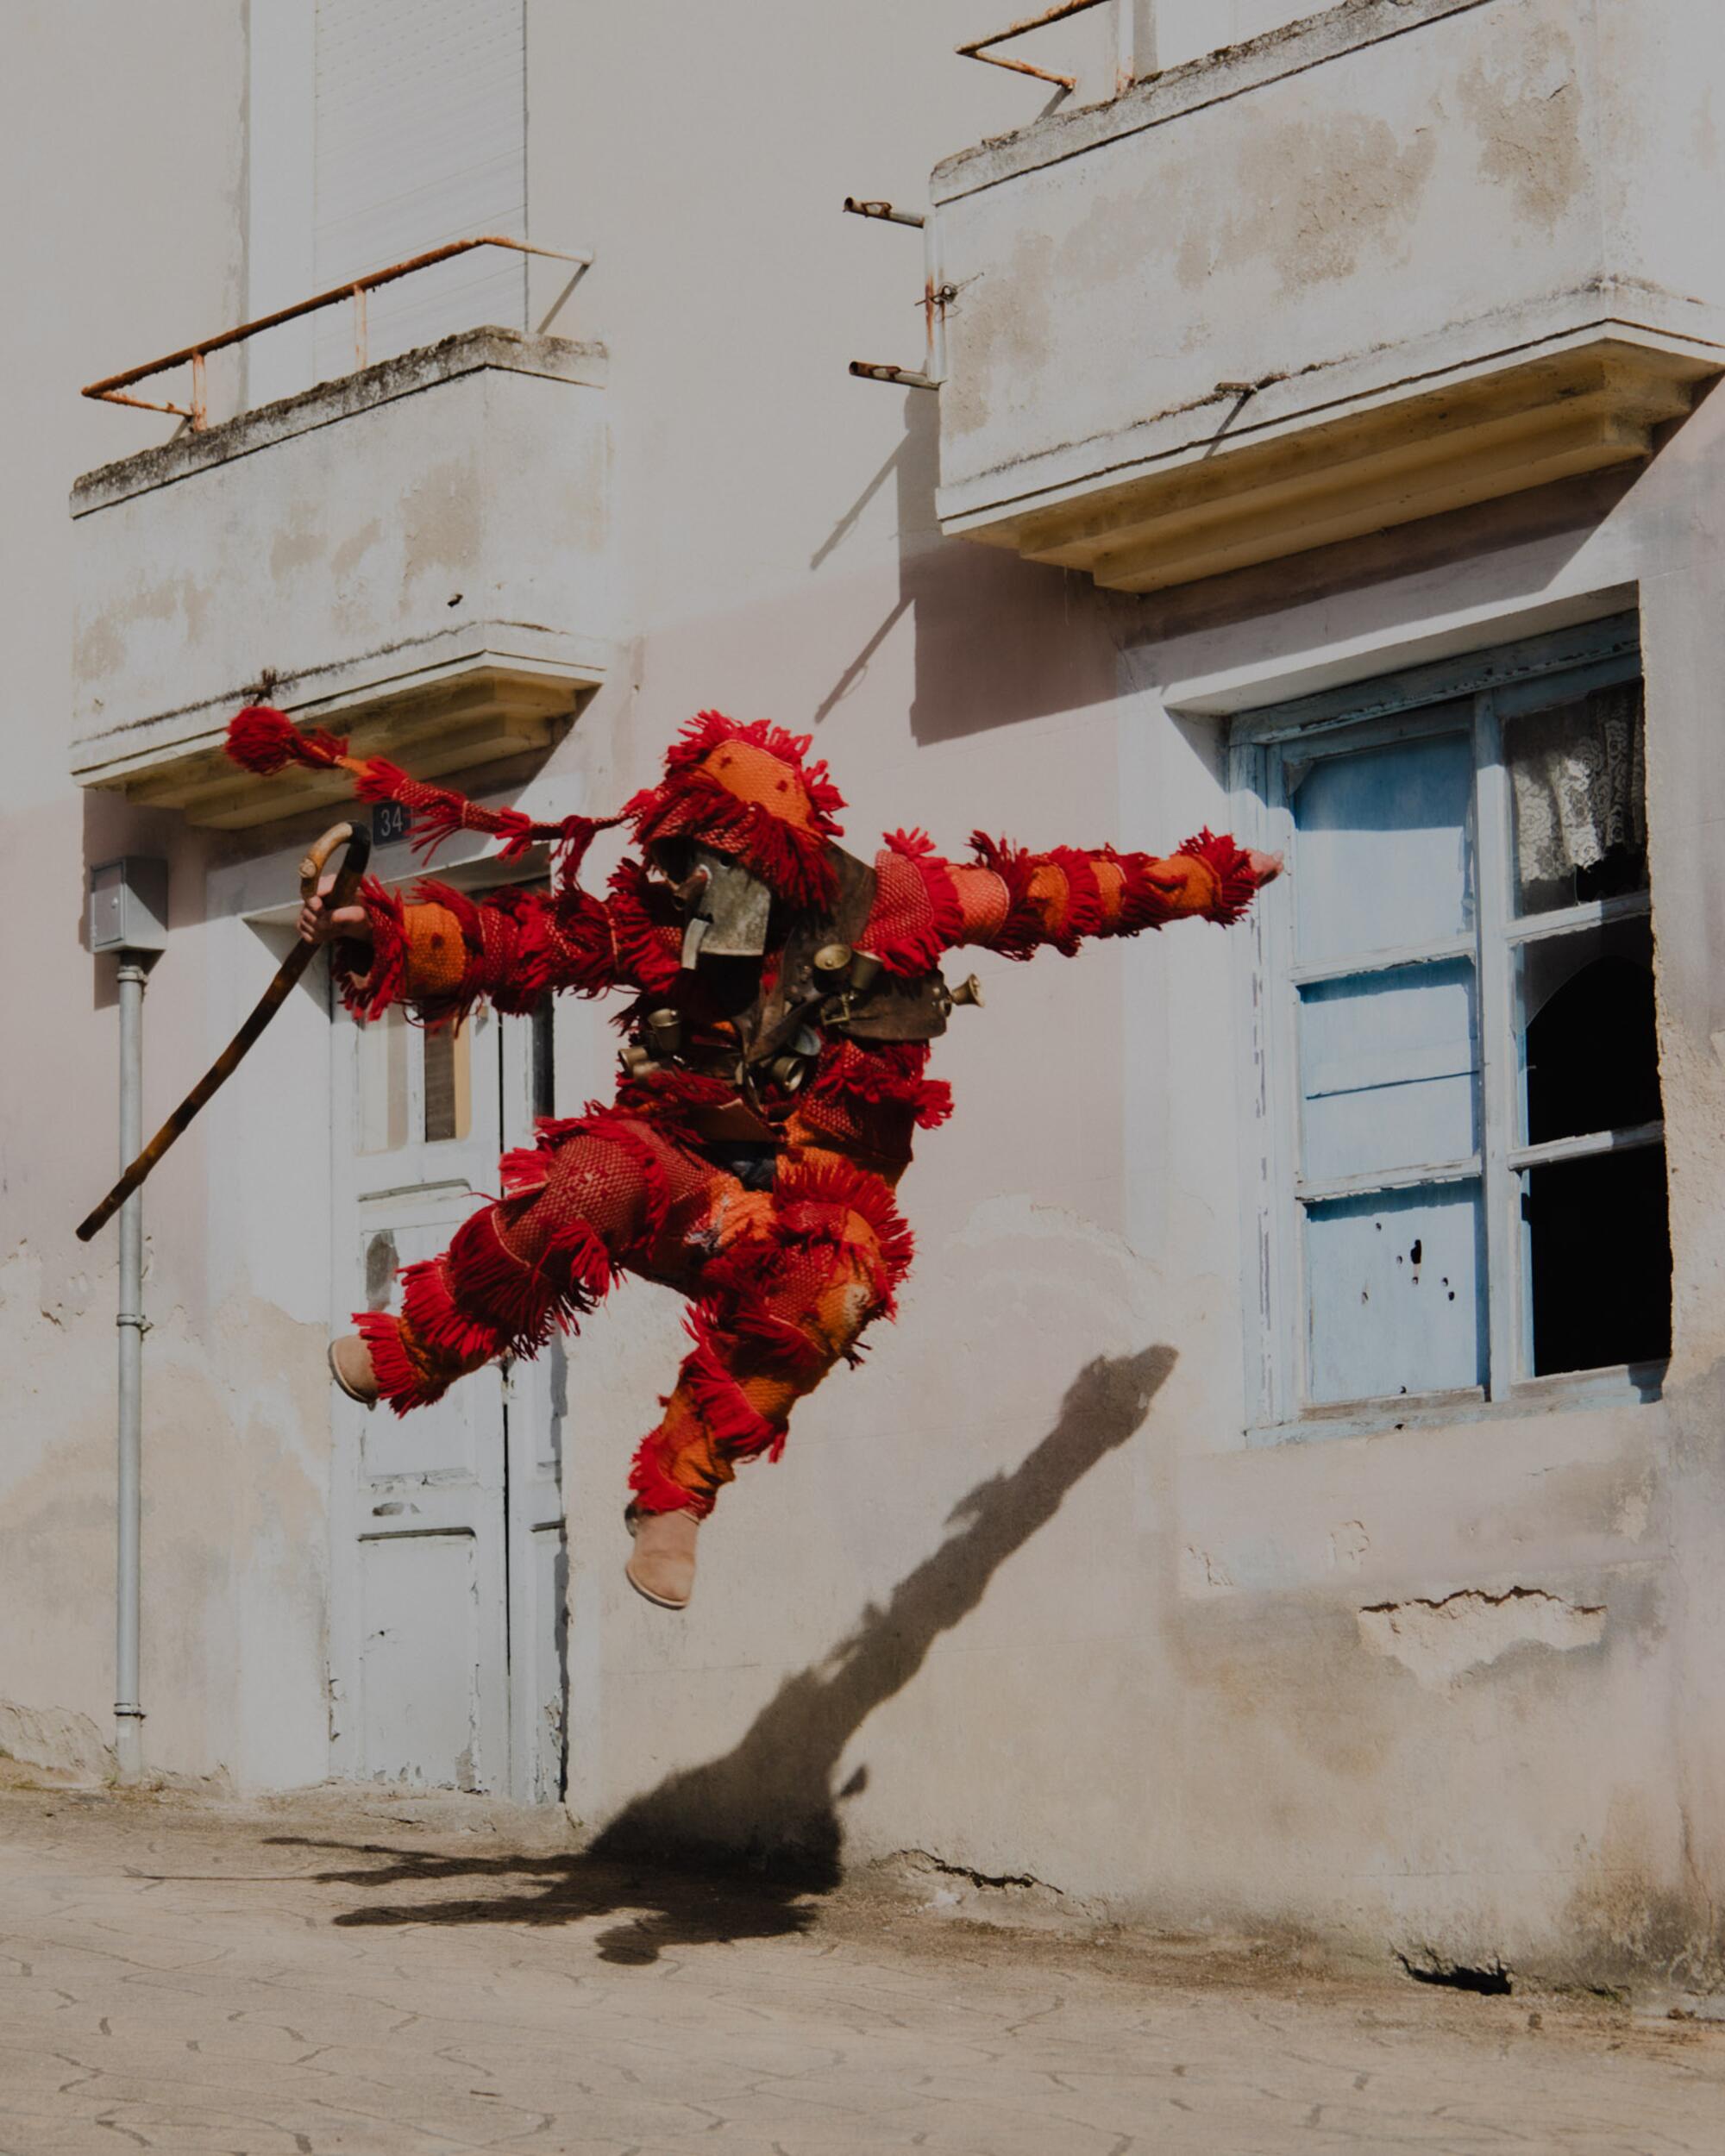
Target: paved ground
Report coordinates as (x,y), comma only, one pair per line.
(318,1978)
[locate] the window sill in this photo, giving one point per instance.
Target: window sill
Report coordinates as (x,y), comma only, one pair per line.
(1626,1385)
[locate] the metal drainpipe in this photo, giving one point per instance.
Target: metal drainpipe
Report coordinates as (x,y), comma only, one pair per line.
(128,1715)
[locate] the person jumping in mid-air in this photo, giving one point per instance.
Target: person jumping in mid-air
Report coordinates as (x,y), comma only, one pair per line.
(785,994)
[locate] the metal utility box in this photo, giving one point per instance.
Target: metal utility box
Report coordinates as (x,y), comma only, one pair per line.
(129,904)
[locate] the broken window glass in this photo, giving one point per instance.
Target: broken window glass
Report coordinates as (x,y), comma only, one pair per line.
(1480,1168)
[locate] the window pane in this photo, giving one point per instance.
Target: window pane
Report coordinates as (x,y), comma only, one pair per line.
(1599,1261)
(1579,782)
(1388,1064)
(1382,855)
(448,1104)
(1397,1286)
(382,1051)
(1588,1048)
(544,1057)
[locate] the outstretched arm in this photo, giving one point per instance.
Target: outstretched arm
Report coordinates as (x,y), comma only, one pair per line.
(1017,902)
(443,952)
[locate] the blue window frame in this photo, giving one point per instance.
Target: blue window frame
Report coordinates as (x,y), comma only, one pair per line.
(1455,1161)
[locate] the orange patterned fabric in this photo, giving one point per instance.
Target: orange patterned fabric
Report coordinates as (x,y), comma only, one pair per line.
(756,776)
(437,953)
(983,900)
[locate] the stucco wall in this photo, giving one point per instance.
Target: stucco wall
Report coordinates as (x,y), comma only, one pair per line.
(1019,1594)
(1392,196)
(111,256)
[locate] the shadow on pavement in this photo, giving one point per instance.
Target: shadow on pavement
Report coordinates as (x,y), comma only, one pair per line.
(770,1804)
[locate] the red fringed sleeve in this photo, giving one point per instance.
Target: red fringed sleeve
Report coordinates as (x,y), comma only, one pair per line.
(443,952)
(1018,903)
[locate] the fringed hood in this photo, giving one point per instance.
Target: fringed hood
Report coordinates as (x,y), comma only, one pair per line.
(743,790)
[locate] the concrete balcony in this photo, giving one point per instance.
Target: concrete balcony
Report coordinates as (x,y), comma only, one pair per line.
(1397,257)
(414,555)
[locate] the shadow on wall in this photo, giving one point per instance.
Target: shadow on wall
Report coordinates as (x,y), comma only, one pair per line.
(772,1797)
(998,639)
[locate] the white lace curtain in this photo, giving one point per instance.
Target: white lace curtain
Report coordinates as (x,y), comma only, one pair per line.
(1580,784)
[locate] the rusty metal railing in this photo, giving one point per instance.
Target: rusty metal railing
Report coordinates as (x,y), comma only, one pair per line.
(1125,21)
(110,391)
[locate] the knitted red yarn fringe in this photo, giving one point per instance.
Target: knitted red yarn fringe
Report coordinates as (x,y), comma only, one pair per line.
(264,740)
(1022,931)
(402,1385)
(1233,872)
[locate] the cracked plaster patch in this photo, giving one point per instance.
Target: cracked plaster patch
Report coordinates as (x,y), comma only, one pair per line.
(1441,1641)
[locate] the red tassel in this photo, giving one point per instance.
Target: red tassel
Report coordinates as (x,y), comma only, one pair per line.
(790,857)
(1022,931)
(708,730)
(793,860)
(783,1345)
(403,1385)
(1081,911)
(807,1188)
(1143,904)
(580,928)
(647,950)
(913,946)
(934,1104)
(883,1071)
(1236,885)
(483,1292)
(730,1420)
(368,994)
(263,739)
(654,1489)
(434,1316)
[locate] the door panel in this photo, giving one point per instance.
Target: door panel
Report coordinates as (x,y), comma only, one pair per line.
(449,1576)
(536,1406)
(421,1660)
(420,1596)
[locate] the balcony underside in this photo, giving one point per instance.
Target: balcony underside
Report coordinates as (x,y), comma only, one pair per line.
(482,712)
(1226,504)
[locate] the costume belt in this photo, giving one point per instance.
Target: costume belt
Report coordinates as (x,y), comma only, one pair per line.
(824,989)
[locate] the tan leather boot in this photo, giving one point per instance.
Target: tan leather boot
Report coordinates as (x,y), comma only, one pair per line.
(662,1565)
(350,1365)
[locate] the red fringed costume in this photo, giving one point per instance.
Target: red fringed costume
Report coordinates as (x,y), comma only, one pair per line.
(771,1095)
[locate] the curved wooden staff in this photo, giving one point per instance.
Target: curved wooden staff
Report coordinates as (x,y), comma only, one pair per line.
(358,844)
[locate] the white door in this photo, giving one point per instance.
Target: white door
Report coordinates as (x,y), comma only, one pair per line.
(447,1574)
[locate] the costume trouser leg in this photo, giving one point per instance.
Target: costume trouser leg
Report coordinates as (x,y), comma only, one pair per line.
(783,1283)
(782,1302)
(590,1200)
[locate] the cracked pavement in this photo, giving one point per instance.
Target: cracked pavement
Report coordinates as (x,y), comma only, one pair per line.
(329,1976)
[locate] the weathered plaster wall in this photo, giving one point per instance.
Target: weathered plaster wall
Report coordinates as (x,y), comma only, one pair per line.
(109,257)
(446,504)
(1018,1594)
(1392,194)
(1183,30)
